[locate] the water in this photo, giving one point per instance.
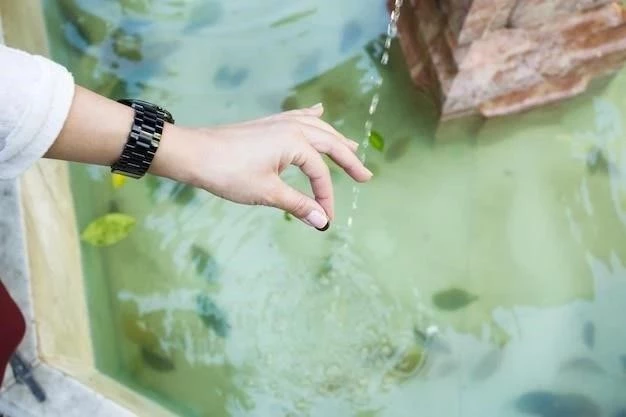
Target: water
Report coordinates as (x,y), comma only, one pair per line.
(473,270)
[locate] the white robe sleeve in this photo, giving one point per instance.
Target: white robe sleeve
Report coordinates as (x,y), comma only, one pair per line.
(35,99)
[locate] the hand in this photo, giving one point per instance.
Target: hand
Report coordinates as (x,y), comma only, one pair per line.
(243,162)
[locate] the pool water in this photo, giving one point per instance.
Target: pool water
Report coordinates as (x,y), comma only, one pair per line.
(482,275)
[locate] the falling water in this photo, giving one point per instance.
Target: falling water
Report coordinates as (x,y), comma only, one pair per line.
(392,29)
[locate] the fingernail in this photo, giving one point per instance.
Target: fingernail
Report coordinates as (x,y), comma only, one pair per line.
(317,106)
(355,144)
(318,220)
(371,174)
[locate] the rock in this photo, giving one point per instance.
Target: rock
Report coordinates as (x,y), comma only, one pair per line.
(498,57)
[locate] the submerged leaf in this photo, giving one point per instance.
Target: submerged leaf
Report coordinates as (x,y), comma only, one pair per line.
(598,162)
(589,334)
(137,333)
(156,361)
(397,149)
(183,194)
(453,299)
(292,18)
(623,361)
(488,365)
(109,229)
(211,315)
(118,180)
(376,141)
(411,361)
(583,365)
(548,404)
(288,216)
(204,264)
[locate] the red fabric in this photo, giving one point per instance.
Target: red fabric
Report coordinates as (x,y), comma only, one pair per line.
(12,329)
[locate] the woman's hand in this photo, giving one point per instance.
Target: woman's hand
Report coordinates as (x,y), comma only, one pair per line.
(243,162)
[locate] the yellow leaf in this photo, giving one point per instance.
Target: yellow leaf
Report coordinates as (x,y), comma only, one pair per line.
(118,180)
(109,229)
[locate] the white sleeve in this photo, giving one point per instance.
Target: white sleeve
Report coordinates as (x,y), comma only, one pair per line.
(35,99)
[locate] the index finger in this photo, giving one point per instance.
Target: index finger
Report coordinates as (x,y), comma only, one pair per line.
(313,166)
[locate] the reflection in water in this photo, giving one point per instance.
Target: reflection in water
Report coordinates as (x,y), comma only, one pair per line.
(482,277)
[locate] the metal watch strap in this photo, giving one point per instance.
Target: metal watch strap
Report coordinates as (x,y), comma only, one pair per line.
(143,140)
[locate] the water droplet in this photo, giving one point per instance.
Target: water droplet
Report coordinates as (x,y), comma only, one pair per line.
(385,58)
(350,221)
(374,104)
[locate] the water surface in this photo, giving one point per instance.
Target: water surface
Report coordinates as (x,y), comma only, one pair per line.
(480,276)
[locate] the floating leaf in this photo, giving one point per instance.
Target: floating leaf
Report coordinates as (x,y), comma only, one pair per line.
(211,315)
(453,299)
(109,229)
(548,404)
(582,365)
(589,335)
(118,180)
(487,365)
(204,264)
(376,141)
(288,217)
(292,18)
(156,361)
(397,149)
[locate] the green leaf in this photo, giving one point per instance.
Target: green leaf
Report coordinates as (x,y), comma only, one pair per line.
(376,141)
(211,315)
(453,299)
(204,263)
(109,229)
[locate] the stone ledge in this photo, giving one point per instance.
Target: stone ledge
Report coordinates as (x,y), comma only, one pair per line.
(527,54)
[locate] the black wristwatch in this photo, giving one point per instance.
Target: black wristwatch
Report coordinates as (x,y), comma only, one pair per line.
(143,140)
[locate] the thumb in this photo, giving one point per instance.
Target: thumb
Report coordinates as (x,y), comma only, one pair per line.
(301,206)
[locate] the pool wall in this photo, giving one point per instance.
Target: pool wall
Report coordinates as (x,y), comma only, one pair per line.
(40,263)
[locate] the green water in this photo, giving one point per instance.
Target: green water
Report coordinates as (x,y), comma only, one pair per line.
(507,240)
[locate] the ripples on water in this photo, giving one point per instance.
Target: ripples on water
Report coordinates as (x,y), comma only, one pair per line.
(509,239)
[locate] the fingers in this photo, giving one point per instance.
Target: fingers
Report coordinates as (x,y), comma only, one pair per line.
(314,167)
(326,143)
(320,124)
(299,205)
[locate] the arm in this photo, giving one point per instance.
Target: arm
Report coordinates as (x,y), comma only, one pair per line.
(241,162)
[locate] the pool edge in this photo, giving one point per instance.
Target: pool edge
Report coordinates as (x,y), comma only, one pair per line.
(53,251)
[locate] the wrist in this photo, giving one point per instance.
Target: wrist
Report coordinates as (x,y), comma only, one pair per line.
(172,159)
